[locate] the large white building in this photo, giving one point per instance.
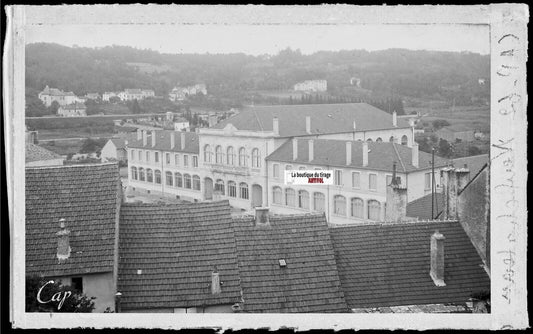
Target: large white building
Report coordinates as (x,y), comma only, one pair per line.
(181,93)
(235,158)
(135,94)
(49,95)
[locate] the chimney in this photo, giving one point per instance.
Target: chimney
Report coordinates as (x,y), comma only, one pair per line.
(354,126)
(308,124)
(275,126)
(463,177)
(126,143)
(172,140)
(294,149)
(414,156)
(449,184)
(396,207)
(348,153)
(311,150)
(365,154)
(394,118)
(215,283)
(63,243)
(182,140)
(261,216)
(153,137)
(437,259)
(139,134)
(145,137)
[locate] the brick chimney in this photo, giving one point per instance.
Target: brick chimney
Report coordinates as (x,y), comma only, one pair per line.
(154,135)
(145,137)
(215,283)
(396,197)
(182,140)
(365,153)
(139,134)
(172,140)
(275,126)
(449,184)
(294,149)
(437,259)
(394,118)
(348,153)
(261,216)
(414,155)
(63,241)
(308,124)
(311,150)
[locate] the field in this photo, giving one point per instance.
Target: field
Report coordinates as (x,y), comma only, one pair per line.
(476,118)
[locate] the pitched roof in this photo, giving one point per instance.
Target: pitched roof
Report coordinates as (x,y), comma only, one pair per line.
(388,264)
(309,282)
(325,118)
(163,142)
(168,252)
(86,197)
(473,163)
(56,92)
(331,152)
(38,153)
(421,207)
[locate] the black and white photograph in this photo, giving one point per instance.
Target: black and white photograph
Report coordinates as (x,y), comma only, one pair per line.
(328,166)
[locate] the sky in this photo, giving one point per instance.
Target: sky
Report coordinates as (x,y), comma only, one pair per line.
(268,39)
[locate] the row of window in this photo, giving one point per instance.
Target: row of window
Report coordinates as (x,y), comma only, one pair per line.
(232,189)
(228,156)
(404,140)
(301,199)
(173,180)
(179,160)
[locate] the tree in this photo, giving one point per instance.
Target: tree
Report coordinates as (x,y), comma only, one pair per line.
(445,150)
(473,150)
(75,302)
(34,106)
(440,123)
(53,108)
(92,146)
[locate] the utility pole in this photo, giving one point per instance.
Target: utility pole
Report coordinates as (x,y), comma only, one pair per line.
(432,182)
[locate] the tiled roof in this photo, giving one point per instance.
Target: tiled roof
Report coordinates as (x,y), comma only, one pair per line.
(168,252)
(56,92)
(474,163)
(331,152)
(38,153)
(325,118)
(388,264)
(163,142)
(308,283)
(86,197)
(421,207)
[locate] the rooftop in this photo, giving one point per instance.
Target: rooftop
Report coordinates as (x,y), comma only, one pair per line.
(421,207)
(163,138)
(38,153)
(55,92)
(473,163)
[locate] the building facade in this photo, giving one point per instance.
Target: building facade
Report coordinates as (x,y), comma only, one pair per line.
(50,95)
(181,93)
(312,85)
(135,94)
(75,109)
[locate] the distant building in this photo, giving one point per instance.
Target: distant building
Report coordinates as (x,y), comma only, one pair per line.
(181,124)
(92,96)
(456,132)
(39,156)
(481,81)
(355,82)
(108,95)
(75,109)
(115,149)
(49,95)
(135,94)
(312,86)
(181,93)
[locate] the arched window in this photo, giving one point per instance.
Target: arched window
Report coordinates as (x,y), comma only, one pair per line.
(256,158)
(369,140)
(141,174)
(243,190)
(379,140)
(374,209)
(187,181)
(133,173)
(196,182)
(219,186)
(290,197)
(303,199)
(242,156)
(288,167)
(404,140)
(232,189)
(339,205)
(207,153)
(149,175)
(276,195)
(169,179)
(391,139)
(178,180)
(218,154)
(357,208)
(157,176)
(319,202)
(230,156)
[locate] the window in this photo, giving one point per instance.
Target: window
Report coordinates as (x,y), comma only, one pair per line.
(176,159)
(379,140)
(156,157)
(243,187)
(242,156)
(338,177)
(168,158)
(196,182)
(373,209)
(185,160)
(290,197)
(169,179)
(275,170)
(134,173)
(218,154)
(147,156)
(157,176)
(302,168)
(404,140)
(178,180)
(219,186)
(318,168)
(207,153)
(303,199)
(132,155)
(140,155)
(230,156)
(369,140)
(232,189)
(187,181)
(391,139)
(141,174)
(256,158)
(195,161)
(319,202)
(339,205)
(77,284)
(356,180)
(388,180)
(276,195)
(372,181)
(427,181)
(149,175)
(288,167)
(357,208)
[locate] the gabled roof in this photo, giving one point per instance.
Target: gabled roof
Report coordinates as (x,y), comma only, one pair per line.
(331,152)
(308,283)
(421,207)
(388,264)
(87,197)
(473,163)
(38,153)
(325,118)
(56,92)
(163,141)
(168,252)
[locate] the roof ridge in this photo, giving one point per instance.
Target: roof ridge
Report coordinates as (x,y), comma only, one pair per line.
(399,157)
(74,166)
(392,224)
